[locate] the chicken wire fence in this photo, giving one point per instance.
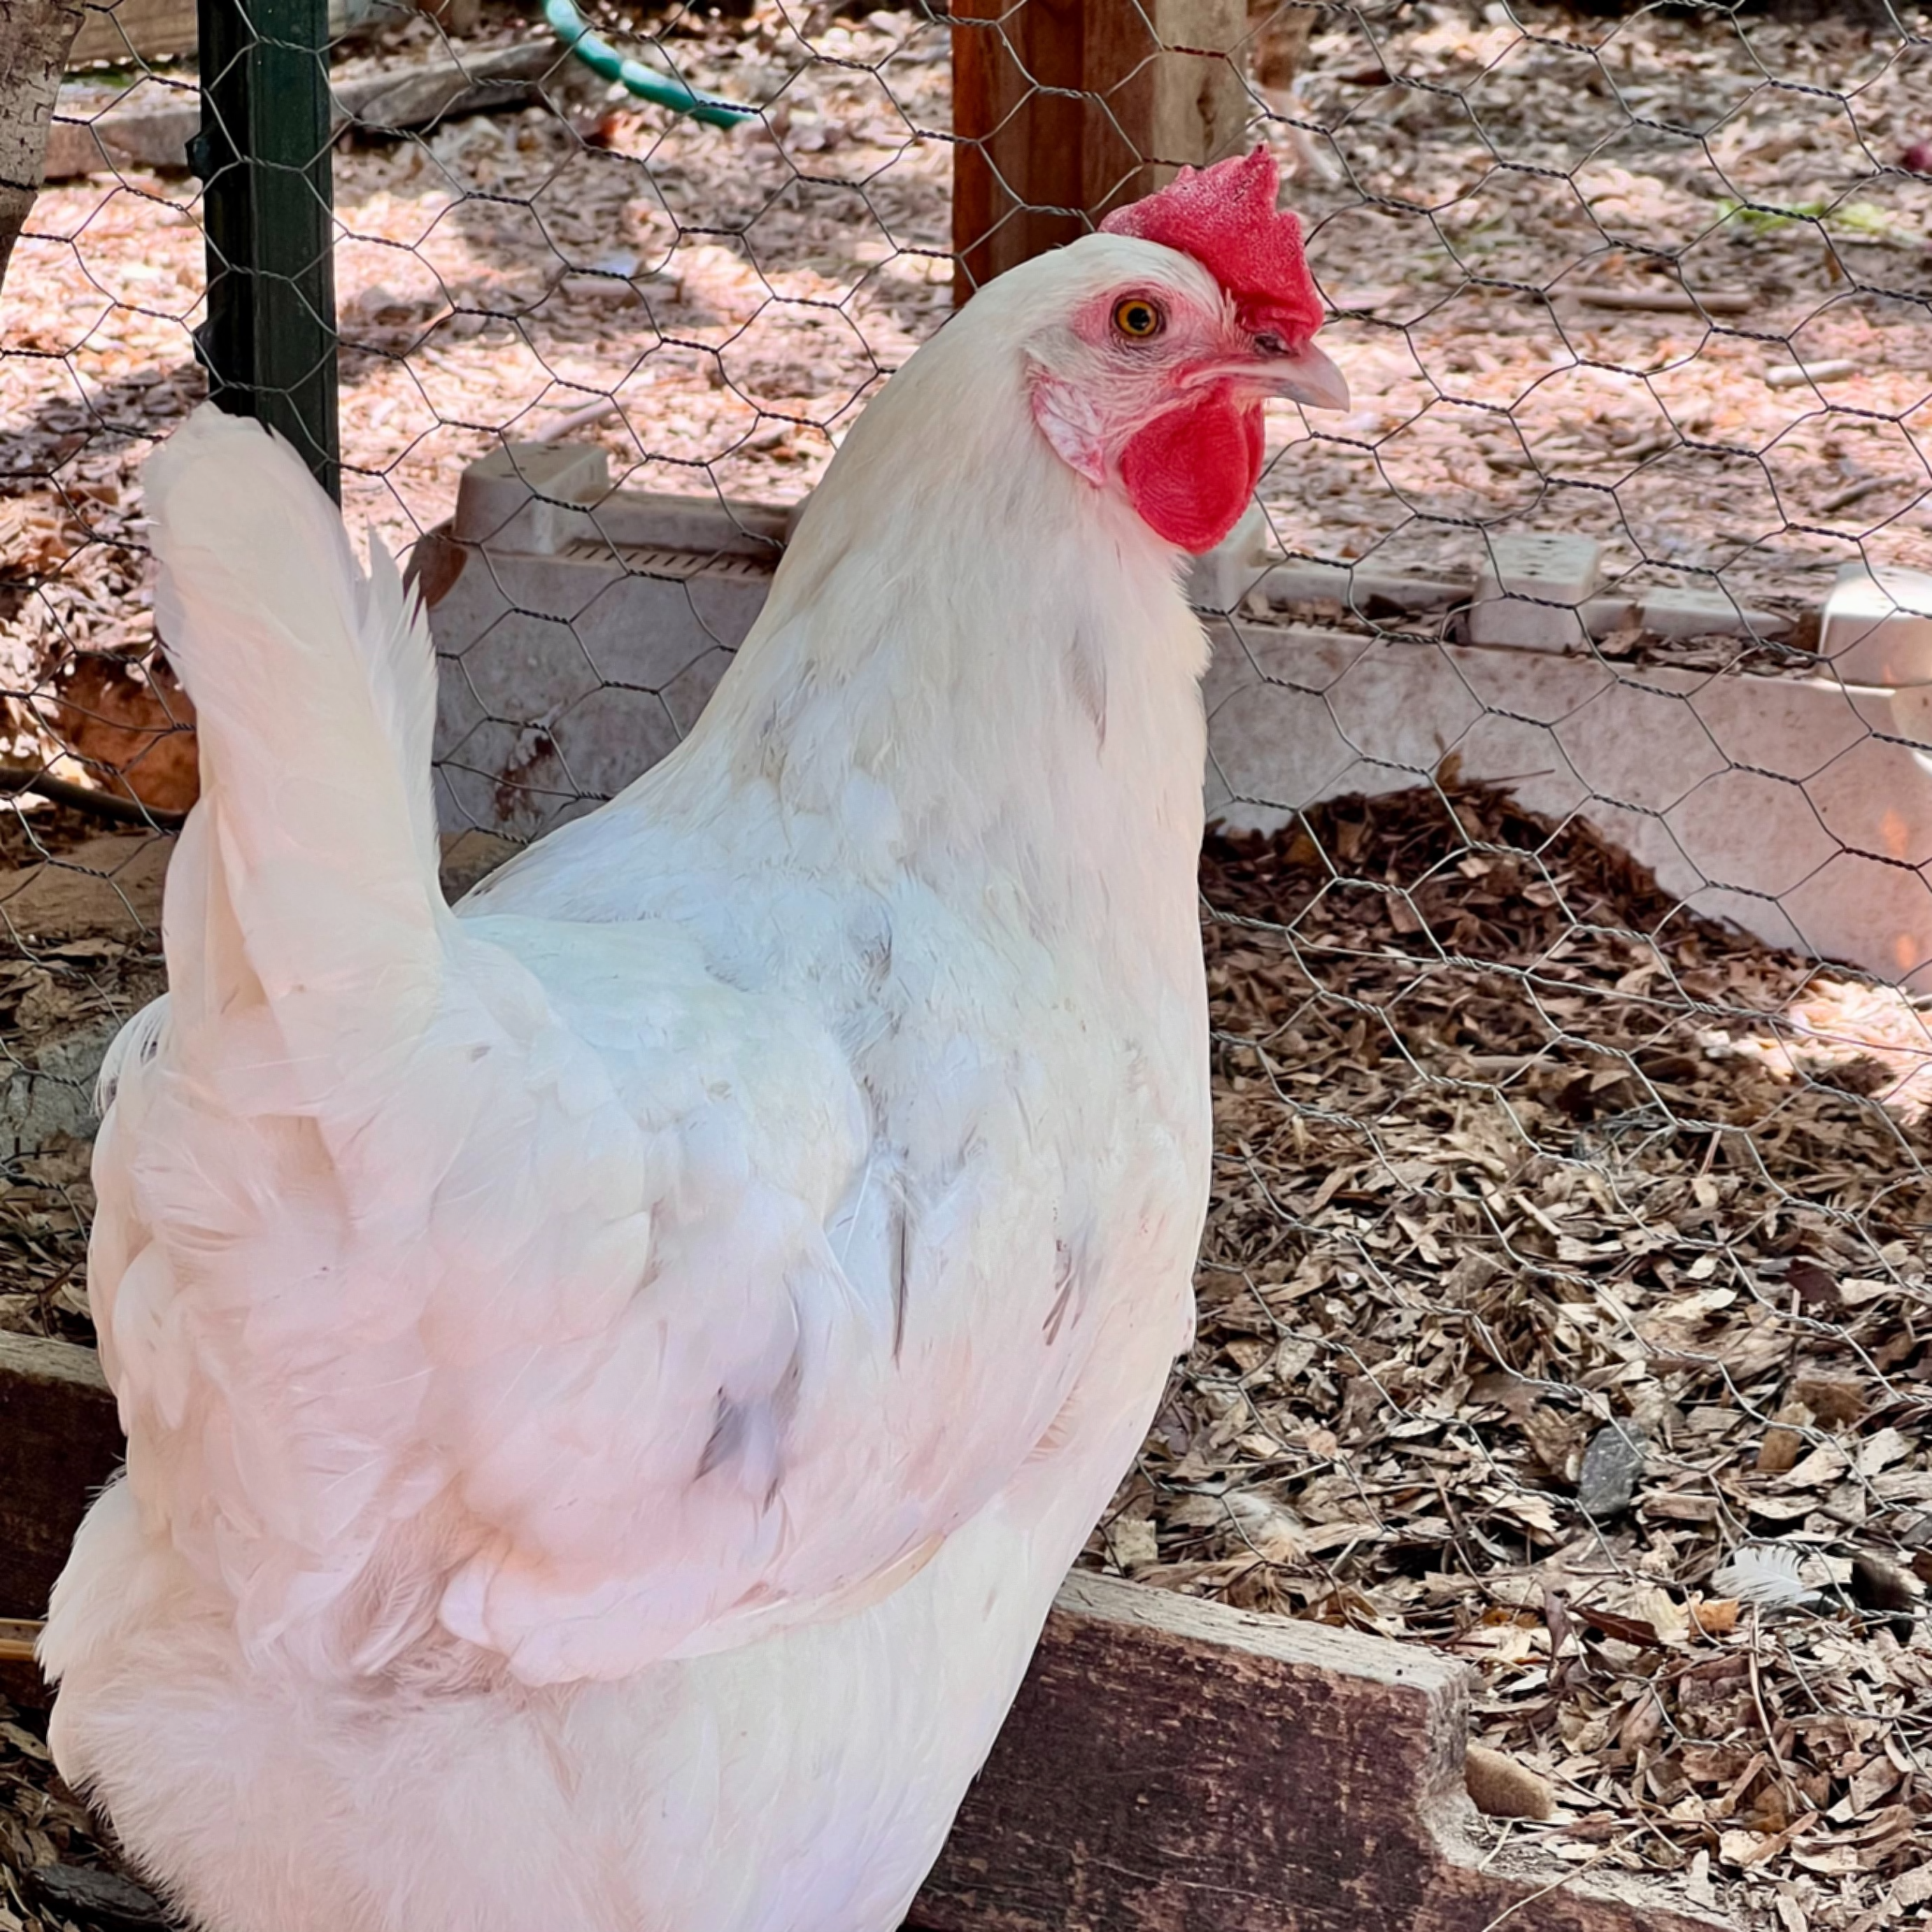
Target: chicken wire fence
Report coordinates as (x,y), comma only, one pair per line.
(1567,915)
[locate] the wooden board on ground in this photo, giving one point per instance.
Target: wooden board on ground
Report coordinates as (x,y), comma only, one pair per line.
(60,1440)
(122,30)
(1172,1765)
(153,128)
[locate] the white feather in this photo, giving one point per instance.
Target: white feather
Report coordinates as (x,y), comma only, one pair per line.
(1766,1574)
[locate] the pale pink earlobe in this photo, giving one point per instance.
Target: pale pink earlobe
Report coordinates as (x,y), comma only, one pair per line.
(1067,420)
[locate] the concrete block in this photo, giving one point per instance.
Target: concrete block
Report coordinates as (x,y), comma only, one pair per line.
(1678,611)
(578,644)
(1220,579)
(697,525)
(1910,709)
(1786,805)
(1781,804)
(1876,627)
(1355,586)
(1499,620)
(1603,617)
(1532,588)
(531,497)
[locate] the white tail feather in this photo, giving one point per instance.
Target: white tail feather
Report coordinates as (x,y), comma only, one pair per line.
(312,859)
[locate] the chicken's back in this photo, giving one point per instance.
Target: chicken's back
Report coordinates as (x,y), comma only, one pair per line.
(800,1782)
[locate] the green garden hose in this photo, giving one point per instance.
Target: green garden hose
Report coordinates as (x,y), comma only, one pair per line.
(597,54)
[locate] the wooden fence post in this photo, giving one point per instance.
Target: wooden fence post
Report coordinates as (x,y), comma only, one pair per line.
(1063,108)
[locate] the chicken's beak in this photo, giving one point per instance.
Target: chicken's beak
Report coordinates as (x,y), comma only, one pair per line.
(1308,377)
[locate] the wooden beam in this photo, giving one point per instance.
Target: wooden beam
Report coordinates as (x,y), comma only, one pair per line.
(134,30)
(122,32)
(1064,108)
(60,1440)
(1172,1766)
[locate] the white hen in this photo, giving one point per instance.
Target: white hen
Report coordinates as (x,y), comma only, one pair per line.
(614,1374)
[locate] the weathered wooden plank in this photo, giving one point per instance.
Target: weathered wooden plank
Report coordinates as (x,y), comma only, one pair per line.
(434,85)
(60,1440)
(120,31)
(1172,1766)
(134,29)
(1066,108)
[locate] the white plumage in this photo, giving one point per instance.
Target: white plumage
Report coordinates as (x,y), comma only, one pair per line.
(613,1374)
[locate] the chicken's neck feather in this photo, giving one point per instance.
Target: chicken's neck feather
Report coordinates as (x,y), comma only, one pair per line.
(972,660)
(974,669)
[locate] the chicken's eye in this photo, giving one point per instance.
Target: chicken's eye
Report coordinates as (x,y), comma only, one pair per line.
(1137,318)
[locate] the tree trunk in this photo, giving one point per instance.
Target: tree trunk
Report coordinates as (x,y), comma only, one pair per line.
(34,36)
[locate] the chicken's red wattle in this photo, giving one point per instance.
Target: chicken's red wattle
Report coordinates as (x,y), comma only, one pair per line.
(1190,472)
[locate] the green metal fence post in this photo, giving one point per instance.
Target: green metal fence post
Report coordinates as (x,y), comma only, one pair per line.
(263,155)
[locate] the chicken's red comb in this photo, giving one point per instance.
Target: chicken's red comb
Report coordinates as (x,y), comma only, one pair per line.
(1225,216)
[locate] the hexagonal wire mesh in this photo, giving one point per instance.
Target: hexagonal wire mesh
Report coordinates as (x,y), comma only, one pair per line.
(1568,948)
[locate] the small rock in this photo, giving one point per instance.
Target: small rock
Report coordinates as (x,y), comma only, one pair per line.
(615,290)
(1783,1443)
(1612,1463)
(103,1898)
(1499,1787)
(1835,1400)
(1877,1585)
